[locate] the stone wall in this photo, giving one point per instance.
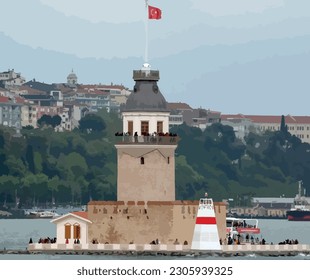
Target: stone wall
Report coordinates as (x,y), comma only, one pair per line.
(141,223)
(154,179)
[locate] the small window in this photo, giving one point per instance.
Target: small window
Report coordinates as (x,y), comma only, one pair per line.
(168,160)
(142,160)
(76,231)
(67,231)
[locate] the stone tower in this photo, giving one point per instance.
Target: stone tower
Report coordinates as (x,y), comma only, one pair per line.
(145,155)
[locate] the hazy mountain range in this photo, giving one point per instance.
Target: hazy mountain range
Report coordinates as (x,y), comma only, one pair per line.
(251,61)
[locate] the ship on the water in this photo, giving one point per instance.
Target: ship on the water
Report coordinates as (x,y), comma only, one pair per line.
(301,208)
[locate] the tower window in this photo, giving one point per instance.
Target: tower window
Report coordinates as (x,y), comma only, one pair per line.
(168,160)
(144,127)
(142,160)
(130,127)
(159,127)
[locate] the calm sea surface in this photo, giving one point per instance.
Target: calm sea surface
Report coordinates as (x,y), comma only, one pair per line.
(15,234)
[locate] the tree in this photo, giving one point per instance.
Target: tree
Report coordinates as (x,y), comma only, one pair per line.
(56,120)
(45,120)
(49,120)
(283,127)
(92,123)
(28,127)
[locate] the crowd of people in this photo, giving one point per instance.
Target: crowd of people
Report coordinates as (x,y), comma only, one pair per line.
(239,239)
(154,134)
(289,241)
(46,240)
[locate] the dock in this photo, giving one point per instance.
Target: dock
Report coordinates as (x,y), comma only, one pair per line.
(162,249)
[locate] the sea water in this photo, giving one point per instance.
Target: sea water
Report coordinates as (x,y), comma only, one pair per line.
(16,233)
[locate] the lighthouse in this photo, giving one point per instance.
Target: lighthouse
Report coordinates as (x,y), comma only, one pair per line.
(145,151)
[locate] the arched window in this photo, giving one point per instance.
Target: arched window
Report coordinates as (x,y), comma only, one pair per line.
(142,160)
(76,231)
(67,231)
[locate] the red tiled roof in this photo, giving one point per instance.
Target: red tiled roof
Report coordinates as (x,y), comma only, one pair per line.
(92,91)
(81,214)
(20,99)
(31,90)
(120,87)
(4,99)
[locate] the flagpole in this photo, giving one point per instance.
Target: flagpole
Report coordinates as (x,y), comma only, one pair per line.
(146,31)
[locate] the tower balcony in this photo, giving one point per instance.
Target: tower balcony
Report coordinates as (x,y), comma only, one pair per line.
(147,140)
(142,75)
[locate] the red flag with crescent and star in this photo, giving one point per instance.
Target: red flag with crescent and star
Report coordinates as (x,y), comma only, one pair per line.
(154,13)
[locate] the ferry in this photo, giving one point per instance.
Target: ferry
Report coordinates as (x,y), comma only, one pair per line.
(298,213)
(241,230)
(301,209)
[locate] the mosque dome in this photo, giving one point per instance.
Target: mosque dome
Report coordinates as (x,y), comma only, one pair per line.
(72,78)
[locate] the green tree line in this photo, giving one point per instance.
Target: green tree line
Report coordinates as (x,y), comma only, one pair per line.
(42,165)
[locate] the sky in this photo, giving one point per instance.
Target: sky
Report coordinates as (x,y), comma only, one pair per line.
(233,56)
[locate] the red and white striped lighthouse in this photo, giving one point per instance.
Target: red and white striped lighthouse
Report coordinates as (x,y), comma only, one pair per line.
(206,236)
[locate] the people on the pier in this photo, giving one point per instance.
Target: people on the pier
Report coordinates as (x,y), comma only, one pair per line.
(45,240)
(289,242)
(247,238)
(176,242)
(230,240)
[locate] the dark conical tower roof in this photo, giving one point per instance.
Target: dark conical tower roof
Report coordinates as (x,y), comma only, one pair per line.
(146,96)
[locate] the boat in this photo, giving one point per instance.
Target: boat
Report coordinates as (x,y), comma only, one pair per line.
(51,213)
(301,208)
(298,213)
(41,214)
(241,230)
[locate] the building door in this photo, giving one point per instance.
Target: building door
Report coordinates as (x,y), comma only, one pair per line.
(144,128)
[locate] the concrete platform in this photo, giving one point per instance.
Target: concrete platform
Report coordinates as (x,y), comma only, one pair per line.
(165,249)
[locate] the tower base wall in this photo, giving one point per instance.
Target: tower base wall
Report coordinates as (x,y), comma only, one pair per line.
(168,222)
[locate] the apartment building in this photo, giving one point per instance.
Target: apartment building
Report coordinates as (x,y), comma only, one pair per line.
(182,112)
(10,79)
(10,111)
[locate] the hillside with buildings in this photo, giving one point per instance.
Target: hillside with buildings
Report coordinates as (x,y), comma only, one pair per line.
(73,160)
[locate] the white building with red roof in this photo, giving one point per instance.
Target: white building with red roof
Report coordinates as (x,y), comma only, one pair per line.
(72,228)
(296,125)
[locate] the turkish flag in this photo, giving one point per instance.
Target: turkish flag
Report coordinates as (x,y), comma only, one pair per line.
(154,13)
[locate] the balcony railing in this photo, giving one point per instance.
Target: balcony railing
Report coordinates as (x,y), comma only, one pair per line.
(152,75)
(147,140)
